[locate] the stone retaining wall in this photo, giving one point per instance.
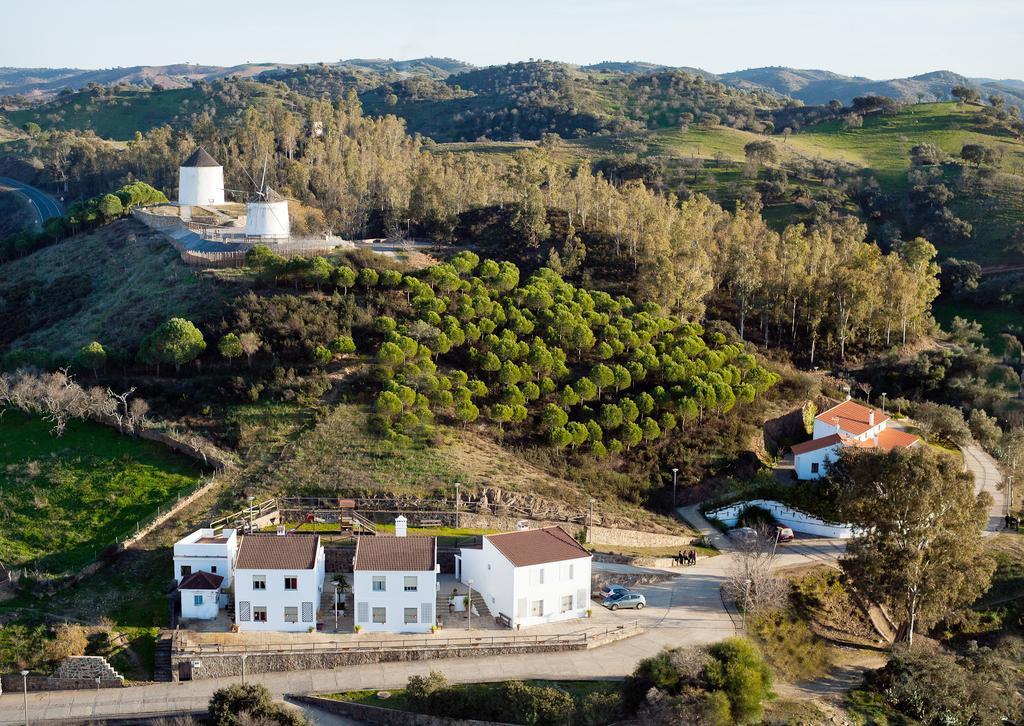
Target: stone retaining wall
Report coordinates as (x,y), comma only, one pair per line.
(73,674)
(386,716)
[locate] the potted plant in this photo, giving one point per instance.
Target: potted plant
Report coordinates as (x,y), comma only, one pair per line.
(590,613)
(465,604)
(358,629)
(434,628)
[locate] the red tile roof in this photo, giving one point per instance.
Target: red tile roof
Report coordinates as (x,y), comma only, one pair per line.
(391,553)
(852,417)
(888,439)
(537,546)
(815,444)
(277,552)
(201,580)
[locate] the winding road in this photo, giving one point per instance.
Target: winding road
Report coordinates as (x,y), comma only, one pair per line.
(987,478)
(43,205)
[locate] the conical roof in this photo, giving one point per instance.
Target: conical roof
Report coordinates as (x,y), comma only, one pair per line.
(200,158)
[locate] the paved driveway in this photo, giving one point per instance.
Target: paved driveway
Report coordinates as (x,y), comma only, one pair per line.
(987,478)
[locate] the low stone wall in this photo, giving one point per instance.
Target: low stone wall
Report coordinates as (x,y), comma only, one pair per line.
(386,716)
(73,674)
(656,562)
(217,666)
(636,538)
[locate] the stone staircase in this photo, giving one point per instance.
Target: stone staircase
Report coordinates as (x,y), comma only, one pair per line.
(162,659)
(479,604)
(90,667)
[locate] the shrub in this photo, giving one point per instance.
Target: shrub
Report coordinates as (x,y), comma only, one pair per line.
(528,704)
(737,669)
(68,640)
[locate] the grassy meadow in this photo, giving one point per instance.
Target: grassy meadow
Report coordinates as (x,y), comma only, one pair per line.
(62,500)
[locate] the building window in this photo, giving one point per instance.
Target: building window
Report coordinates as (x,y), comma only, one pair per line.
(379,583)
(410,615)
(540,576)
(380,615)
(291,615)
(566,603)
(186,570)
(537,608)
(259,615)
(814,467)
(197,599)
(213,569)
(291,583)
(259,582)
(411,583)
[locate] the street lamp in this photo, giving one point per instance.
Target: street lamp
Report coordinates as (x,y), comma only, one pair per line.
(590,523)
(335,607)
(24,683)
(883,401)
(675,473)
(250,512)
(458,503)
(469,604)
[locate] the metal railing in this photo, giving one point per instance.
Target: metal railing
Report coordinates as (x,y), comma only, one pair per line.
(243,517)
(181,646)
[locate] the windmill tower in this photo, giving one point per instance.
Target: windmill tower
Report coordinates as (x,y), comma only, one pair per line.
(267,213)
(200,180)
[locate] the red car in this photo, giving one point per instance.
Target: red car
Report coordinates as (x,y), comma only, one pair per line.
(784,534)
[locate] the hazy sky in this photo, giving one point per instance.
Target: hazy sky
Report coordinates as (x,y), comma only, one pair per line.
(875,38)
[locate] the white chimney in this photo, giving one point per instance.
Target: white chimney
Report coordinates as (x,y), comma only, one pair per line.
(522,525)
(835,422)
(401,526)
(871,418)
(281,530)
(876,441)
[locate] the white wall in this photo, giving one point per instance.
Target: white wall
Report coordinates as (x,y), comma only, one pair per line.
(200,185)
(267,219)
(822,457)
(785,515)
(206,611)
(217,559)
(506,588)
(275,598)
(394,599)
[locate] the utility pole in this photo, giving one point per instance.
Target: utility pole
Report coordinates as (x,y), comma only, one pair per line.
(675,474)
(469,605)
(590,523)
(458,503)
(335,607)
(24,683)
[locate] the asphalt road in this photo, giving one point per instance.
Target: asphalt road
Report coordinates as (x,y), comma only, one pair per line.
(988,478)
(43,205)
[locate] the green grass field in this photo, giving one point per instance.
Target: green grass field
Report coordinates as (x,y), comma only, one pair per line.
(64,500)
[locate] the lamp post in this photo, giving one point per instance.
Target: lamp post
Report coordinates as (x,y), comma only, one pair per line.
(335,607)
(250,513)
(675,474)
(469,605)
(746,597)
(590,523)
(883,401)
(24,683)
(458,503)
(244,655)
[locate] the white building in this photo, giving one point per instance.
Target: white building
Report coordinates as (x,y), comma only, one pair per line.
(200,181)
(530,577)
(200,595)
(267,217)
(206,551)
(394,582)
(844,425)
(279,580)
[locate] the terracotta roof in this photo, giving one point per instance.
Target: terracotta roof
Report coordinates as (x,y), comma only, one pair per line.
(200,580)
(277,552)
(388,552)
(200,158)
(852,417)
(537,546)
(888,439)
(815,444)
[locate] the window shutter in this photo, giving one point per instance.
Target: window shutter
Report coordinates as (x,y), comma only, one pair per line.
(581,598)
(362,612)
(521,608)
(307,612)
(243,611)
(427,613)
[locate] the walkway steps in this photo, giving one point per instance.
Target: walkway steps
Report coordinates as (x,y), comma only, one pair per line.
(162,659)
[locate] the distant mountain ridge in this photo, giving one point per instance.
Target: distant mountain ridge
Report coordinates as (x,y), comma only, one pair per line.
(812,86)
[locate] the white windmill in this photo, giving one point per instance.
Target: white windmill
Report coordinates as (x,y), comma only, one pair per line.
(266,212)
(200,180)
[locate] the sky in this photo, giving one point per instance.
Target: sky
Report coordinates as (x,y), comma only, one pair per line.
(875,38)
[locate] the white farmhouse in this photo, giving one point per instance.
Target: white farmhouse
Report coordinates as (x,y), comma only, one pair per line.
(200,180)
(529,577)
(200,595)
(206,551)
(844,425)
(394,582)
(279,580)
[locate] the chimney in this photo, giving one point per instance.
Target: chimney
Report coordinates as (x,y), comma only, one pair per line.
(281,530)
(835,422)
(522,525)
(876,441)
(871,417)
(401,526)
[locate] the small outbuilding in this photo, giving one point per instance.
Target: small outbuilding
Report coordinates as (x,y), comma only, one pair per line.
(529,577)
(200,595)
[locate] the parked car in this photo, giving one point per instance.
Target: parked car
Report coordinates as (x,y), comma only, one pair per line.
(626,600)
(609,591)
(783,534)
(744,535)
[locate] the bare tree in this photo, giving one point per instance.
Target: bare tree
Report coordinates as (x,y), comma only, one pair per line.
(752,584)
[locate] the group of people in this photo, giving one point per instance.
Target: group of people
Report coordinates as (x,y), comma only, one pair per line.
(1011,522)
(687,557)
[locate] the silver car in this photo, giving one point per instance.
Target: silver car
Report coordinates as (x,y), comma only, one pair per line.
(626,601)
(609,591)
